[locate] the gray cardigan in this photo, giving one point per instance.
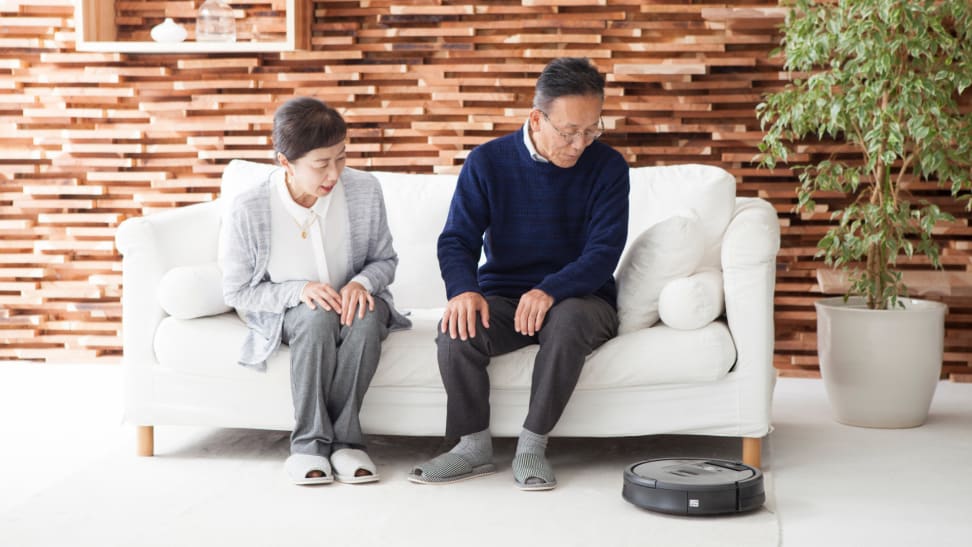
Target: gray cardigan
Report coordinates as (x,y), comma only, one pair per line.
(246,254)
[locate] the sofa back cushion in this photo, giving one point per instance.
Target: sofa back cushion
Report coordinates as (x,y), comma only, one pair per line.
(658,192)
(239,176)
(417,206)
(665,251)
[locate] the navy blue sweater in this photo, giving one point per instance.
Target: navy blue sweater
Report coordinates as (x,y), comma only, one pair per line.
(558,230)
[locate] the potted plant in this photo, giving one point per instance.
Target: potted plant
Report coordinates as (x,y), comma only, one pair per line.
(883,79)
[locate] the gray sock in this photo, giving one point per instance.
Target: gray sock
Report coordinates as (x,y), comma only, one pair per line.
(531,443)
(477,448)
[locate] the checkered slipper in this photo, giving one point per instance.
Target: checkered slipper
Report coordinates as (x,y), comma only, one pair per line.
(298,466)
(528,466)
(447,468)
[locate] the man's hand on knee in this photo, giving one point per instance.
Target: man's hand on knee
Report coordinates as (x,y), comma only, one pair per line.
(459,318)
(531,311)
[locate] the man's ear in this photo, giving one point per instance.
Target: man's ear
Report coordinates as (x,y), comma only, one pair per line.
(535,120)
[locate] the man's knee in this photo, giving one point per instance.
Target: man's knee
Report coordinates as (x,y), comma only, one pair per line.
(455,346)
(570,315)
(444,340)
(579,324)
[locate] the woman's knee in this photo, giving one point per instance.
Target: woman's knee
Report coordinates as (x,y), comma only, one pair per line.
(312,323)
(371,326)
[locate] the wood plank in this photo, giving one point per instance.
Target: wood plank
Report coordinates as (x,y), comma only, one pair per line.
(922,284)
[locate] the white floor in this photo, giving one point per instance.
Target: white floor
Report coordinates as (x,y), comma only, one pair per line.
(68,478)
(842,485)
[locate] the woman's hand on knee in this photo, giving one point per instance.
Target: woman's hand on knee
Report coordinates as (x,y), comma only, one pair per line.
(320,294)
(355,300)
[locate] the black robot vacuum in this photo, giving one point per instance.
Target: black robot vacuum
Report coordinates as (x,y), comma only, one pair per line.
(694,486)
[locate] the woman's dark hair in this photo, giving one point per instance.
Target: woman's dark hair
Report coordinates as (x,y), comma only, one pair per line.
(567,76)
(303,124)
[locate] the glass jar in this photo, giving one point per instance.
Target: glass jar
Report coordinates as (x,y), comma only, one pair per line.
(215,22)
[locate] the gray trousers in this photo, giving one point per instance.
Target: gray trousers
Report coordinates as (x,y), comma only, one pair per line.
(572,329)
(331,366)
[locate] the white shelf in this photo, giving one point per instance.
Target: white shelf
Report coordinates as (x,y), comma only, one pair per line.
(96,31)
(185,47)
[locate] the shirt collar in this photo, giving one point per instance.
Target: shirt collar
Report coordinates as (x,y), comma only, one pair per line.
(528,141)
(295,209)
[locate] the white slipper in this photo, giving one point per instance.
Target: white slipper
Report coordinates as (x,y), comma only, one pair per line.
(298,466)
(348,461)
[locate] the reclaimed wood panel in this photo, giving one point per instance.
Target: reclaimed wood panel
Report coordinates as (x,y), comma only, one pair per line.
(91,138)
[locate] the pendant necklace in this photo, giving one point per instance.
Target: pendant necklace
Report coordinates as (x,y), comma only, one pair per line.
(311,219)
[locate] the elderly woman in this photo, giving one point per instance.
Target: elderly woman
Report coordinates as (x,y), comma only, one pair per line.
(307,258)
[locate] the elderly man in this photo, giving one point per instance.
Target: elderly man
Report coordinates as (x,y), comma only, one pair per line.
(550,204)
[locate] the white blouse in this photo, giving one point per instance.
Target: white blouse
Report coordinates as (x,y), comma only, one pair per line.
(308,243)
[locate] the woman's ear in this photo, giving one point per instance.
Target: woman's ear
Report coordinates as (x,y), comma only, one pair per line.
(282,160)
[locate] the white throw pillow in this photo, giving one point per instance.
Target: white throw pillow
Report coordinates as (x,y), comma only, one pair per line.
(692,302)
(187,292)
(665,251)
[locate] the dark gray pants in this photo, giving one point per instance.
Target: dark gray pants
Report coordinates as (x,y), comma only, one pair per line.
(331,367)
(572,329)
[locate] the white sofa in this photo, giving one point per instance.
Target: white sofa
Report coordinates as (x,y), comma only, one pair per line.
(713,380)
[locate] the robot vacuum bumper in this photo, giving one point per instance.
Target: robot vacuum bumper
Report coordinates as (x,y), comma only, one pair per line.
(694,486)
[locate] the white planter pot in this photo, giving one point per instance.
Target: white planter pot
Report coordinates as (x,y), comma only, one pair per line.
(880,367)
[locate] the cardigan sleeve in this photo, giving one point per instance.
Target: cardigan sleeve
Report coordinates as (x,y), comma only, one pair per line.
(380,259)
(245,249)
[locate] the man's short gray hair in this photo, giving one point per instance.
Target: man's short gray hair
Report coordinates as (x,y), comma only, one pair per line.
(567,76)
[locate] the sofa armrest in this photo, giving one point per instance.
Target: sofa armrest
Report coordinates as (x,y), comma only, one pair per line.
(150,246)
(749,248)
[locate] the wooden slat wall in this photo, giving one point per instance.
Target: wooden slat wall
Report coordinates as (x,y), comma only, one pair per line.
(89,139)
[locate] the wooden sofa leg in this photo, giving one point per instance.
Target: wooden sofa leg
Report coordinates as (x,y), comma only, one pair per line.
(751,451)
(145,444)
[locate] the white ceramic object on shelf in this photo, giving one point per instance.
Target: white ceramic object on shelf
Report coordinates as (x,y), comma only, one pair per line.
(168,31)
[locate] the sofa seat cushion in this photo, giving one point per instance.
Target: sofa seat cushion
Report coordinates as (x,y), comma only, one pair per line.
(208,346)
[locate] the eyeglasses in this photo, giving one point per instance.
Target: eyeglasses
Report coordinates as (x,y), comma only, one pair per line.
(587,136)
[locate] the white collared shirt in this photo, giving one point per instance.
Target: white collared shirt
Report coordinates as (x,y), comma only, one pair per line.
(323,255)
(528,141)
